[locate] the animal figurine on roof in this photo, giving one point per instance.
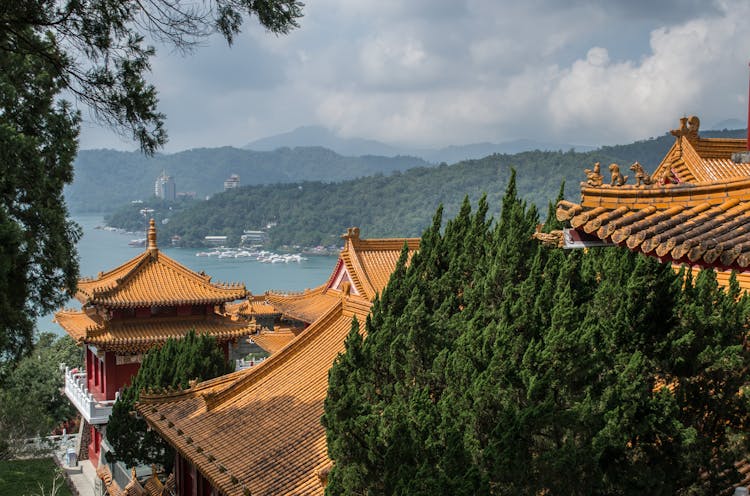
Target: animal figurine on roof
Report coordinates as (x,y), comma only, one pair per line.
(594,177)
(617,178)
(641,177)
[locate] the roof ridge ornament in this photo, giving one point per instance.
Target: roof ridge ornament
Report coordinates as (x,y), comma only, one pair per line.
(152,235)
(689,127)
(352,234)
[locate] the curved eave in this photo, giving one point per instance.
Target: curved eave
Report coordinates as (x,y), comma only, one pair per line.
(166,302)
(704,234)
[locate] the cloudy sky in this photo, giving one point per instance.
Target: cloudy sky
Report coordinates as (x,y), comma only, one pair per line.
(431,73)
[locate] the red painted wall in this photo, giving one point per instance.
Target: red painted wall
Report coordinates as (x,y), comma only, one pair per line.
(190,482)
(95,446)
(117,376)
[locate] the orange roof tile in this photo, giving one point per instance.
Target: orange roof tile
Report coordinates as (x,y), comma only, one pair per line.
(273,341)
(307,306)
(154,279)
(703,221)
(277,404)
(137,335)
(255,305)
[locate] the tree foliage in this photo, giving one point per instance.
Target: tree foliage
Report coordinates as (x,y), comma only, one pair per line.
(173,366)
(493,365)
(94,51)
(31,398)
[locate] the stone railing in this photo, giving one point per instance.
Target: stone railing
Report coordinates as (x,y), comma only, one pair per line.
(242,364)
(93,410)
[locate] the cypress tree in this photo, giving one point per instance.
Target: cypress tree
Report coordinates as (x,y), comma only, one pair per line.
(493,365)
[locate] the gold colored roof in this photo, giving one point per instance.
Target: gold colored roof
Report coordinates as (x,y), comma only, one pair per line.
(278,403)
(136,335)
(704,220)
(273,341)
(254,305)
(154,279)
(368,264)
(698,160)
(307,306)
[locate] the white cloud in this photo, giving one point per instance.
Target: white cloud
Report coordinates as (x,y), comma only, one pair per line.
(434,73)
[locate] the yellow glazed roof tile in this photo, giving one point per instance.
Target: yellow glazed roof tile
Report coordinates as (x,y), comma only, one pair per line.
(704,219)
(154,279)
(136,335)
(273,341)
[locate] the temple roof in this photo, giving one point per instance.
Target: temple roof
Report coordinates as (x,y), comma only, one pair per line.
(307,306)
(277,404)
(370,262)
(693,159)
(251,307)
(273,341)
(699,217)
(363,268)
(154,279)
(137,335)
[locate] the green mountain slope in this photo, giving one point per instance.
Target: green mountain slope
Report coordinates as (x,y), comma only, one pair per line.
(106,179)
(399,204)
(312,213)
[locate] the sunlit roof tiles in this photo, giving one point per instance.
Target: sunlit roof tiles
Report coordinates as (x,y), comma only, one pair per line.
(154,279)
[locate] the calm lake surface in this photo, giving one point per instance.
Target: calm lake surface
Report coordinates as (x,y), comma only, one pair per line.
(101,250)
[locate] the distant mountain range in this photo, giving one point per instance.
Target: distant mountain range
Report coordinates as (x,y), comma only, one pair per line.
(321,136)
(106,179)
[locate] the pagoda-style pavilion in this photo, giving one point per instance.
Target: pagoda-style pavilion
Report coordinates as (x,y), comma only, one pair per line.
(694,209)
(258,431)
(129,310)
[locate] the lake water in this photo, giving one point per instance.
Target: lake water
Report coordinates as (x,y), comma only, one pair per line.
(101,250)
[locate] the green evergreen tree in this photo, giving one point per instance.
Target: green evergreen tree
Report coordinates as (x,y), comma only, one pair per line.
(493,365)
(171,367)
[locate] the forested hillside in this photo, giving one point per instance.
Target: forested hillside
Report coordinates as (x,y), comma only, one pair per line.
(399,204)
(106,179)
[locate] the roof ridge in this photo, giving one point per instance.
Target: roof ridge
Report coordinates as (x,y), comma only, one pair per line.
(145,259)
(165,396)
(358,272)
(200,279)
(293,347)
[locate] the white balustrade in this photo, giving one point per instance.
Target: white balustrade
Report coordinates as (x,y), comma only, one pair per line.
(243,364)
(93,410)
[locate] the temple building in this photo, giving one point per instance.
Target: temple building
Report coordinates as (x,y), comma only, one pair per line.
(258,431)
(694,209)
(127,311)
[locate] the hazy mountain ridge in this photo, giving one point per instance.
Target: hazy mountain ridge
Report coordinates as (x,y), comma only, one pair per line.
(321,136)
(106,179)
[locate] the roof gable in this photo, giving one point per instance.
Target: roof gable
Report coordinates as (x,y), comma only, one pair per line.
(693,159)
